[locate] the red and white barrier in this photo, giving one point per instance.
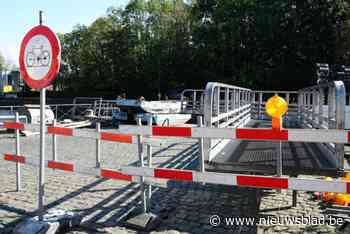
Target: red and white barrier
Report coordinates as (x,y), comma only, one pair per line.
(71,167)
(14,125)
(129,132)
(294,135)
(241,180)
(134,174)
(160,176)
(105,136)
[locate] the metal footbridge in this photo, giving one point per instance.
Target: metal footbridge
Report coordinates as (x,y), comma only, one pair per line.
(225,106)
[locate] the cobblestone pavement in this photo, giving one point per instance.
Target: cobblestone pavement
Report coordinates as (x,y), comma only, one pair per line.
(183,207)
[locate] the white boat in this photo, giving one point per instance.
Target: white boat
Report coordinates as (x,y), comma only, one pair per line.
(163,112)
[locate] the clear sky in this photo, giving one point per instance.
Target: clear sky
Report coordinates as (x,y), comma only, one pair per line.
(18,16)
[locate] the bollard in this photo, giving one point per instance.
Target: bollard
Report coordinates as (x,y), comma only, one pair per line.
(142,164)
(201,147)
(98,146)
(54,143)
(18,152)
(149,156)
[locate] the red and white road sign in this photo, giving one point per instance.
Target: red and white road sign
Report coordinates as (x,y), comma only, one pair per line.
(40,56)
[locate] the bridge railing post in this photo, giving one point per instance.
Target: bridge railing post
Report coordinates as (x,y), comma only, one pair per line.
(320,110)
(340,101)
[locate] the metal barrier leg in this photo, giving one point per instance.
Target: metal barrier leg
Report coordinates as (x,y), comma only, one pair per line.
(279,160)
(149,192)
(149,157)
(18,152)
(142,164)
(201,146)
(144,220)
(54,143)
(98,147)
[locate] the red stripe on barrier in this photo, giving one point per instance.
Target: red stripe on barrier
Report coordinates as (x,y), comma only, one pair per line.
(60,131)
(14,125)
(261,134)
(252,181)
(347,187)
(15,158)
(115,175)
(172,131)
(349,137)
(173,174)
(60,166)
(116,137)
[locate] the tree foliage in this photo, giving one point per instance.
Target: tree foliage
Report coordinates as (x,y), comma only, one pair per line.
(2,62)
(152,46)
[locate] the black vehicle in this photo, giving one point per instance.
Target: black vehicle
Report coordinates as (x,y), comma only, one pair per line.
(326,72)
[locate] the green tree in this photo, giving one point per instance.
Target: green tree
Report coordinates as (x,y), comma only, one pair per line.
(153,46)
(2,62)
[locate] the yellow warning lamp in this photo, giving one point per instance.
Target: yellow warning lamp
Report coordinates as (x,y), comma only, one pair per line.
(346,177)
(341,199)
(276,107)
(328,196)
(337,198)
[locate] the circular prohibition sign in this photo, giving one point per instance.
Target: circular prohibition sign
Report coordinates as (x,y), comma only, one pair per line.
(40,57)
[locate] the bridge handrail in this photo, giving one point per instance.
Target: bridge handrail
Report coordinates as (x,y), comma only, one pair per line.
(312,101)
(225,106)
(212,94)
(194,105)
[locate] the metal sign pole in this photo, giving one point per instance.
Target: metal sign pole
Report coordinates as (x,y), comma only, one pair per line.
(42,144)
(32,68)
(40,17)
(42,153)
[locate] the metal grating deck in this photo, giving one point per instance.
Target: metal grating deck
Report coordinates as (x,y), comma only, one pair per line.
(259,157)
